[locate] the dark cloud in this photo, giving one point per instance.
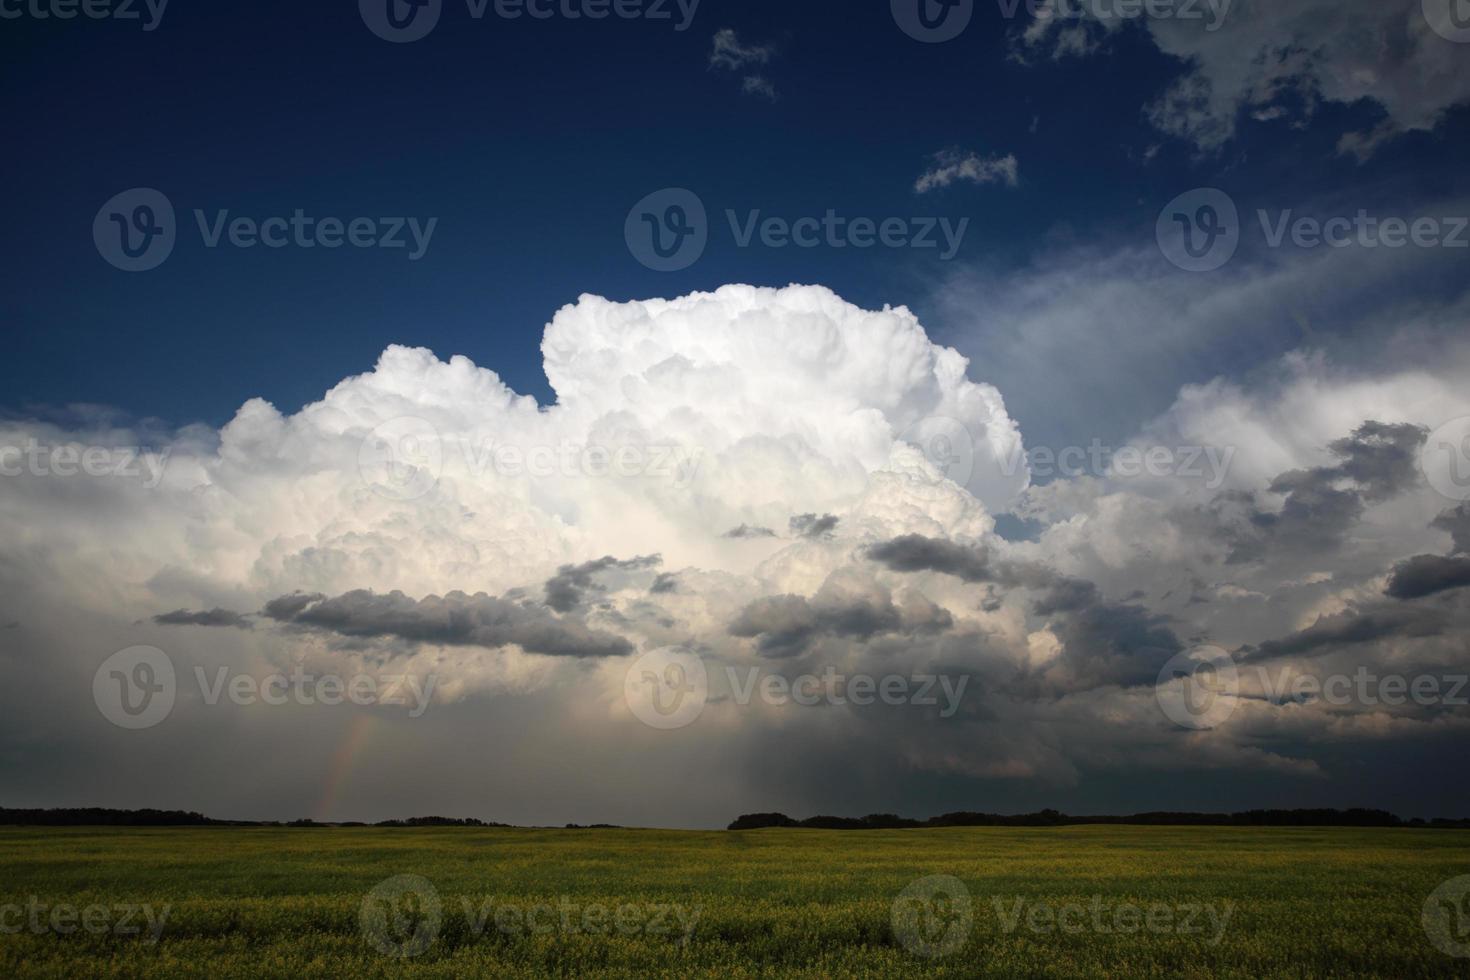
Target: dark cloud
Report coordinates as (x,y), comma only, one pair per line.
(1104,643)
(211,617)
(666,583)
(456,619)
(788,625)
(747,531)
(1067,595)
(1457,523)
(566,589)
(1427,575)
(286,607)
(916,553)
(1321,505)
(1351,628)
(812,526)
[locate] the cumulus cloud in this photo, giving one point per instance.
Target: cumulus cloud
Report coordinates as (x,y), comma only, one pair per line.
(424,518)
(1281,61)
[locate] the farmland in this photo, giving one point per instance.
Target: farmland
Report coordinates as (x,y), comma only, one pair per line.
(455,902)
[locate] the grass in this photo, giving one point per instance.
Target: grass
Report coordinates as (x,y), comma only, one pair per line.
(256,902)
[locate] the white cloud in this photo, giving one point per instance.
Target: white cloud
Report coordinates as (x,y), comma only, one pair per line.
(952,165)
(791,402)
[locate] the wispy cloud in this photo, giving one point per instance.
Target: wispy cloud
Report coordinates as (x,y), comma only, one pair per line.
(952,165)
(731,54)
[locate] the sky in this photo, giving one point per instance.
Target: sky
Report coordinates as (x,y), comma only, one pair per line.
(574,377)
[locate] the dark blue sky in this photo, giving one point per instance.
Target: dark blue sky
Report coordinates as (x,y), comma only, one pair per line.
(529,141)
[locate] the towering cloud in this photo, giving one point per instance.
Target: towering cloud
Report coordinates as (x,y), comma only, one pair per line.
(774,481)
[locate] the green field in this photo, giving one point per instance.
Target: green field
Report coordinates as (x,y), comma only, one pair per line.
(1079,901)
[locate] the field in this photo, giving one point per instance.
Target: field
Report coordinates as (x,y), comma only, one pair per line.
(1080,901)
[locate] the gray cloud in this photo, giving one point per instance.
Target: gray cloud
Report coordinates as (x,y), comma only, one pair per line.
(916,553)
(456,619)
(1352,628)
(212,617)
(566,589)
(789,625)
(1379,461)
(746,531)
(812,526)
(287,607)
(1427,575)
(1457,523)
